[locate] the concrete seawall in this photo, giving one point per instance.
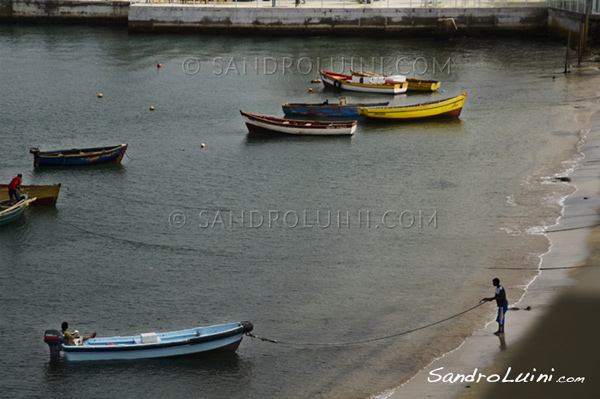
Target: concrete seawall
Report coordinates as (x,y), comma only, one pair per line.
(310,21)
(110,12)
(356,20)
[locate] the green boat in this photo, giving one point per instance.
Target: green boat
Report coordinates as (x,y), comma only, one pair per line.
(10,211)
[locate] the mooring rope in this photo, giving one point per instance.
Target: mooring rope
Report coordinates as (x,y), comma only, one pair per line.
(275,341)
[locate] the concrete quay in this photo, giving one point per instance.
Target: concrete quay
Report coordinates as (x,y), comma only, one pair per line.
(314,17)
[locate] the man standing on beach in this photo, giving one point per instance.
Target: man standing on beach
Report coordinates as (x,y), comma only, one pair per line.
(502,303)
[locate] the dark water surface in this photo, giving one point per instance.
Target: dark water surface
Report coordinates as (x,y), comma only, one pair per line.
(314,240)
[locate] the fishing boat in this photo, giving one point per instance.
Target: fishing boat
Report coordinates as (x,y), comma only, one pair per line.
(396,84)
(448,108)
(269,124)
(341,109)
(46,194)
(79,156)
(415,84)
(11,211)
(191,342)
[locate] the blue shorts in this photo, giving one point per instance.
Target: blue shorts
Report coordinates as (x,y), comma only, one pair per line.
(501,314)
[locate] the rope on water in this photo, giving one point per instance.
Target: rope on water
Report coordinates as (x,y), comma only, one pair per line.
(541,268)
(574,228)
(275,341)
(125,240)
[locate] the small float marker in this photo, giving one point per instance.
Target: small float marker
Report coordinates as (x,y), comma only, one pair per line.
(158,64)
(310,90)
(99,95)
(151,108)
(202,145)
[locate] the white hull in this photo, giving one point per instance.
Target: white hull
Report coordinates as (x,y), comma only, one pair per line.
(380,89)
(260,126)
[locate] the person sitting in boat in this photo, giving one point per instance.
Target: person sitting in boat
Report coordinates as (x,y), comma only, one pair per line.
(326,102)
(70,338)
(13,188)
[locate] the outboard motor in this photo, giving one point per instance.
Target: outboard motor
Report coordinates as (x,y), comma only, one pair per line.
(54,339)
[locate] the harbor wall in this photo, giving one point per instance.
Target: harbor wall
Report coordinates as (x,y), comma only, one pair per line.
(563,22)
(144,17)
(310,21)
(110,12)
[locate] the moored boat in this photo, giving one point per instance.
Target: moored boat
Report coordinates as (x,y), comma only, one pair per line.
(270,124)
(11,211)
(341,109)
(79,156)
(45,194)
(414,84)
(447,108)
(190,342)
(422,84)
(366,84)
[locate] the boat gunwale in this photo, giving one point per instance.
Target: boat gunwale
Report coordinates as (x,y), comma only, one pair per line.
(295,123)
(336,105)
(83,152)
(416,107)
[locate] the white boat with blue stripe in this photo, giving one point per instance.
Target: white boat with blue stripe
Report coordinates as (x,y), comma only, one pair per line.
(191,342)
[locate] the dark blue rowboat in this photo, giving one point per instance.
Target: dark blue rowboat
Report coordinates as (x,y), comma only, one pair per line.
(79,156)
(326,109)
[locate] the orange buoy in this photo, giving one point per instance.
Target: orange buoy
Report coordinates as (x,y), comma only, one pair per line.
(99,95)
(158,64)
(151,108)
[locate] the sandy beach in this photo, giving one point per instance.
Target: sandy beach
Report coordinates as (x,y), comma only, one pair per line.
(550,348)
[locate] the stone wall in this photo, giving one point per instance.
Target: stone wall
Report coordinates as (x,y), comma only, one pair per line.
(113,12)
(309,21)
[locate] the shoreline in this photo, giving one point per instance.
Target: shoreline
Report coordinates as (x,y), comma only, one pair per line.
(562,273)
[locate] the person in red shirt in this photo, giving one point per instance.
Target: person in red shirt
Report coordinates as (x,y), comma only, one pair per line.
(13,188)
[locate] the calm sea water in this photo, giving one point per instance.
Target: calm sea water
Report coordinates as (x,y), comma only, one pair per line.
(314,240)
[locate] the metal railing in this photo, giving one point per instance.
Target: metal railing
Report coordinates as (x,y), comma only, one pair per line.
(569,5)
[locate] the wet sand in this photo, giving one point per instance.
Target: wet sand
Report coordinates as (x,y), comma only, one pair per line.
(551,330)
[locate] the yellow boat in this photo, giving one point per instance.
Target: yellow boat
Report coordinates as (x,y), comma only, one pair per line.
(46,195)
(422,84)
(448,108)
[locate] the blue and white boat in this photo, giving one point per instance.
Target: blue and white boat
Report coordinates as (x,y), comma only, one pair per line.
(191,342)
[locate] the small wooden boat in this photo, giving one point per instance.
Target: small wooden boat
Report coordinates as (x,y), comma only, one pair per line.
(269,124)
(46,194)
(366,84)
(192,342)
(422,84)
(414,84)
(341,109)
(448,108)
(79,156)
(11,211)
